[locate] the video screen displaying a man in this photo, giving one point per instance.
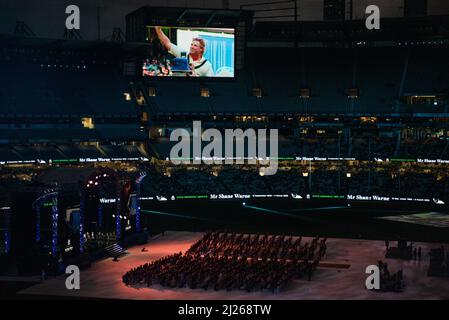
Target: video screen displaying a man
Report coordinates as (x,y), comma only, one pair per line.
(205,52)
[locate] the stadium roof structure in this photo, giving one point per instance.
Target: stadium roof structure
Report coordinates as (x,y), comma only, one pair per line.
(137,20)
(89,46)
(71,134)
(172,16)
(392,29)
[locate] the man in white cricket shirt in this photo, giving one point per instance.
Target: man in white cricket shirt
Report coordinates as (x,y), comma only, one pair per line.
(199,65)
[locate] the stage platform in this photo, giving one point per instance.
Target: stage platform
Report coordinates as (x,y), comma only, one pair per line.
(341,275)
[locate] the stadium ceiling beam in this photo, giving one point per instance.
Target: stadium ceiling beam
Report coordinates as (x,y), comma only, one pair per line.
(72,34)
(22,30)
(211,18)
(181,16)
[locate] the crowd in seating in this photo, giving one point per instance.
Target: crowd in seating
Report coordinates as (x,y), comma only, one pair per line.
(390,180)
(373,147)
(427,148)
(155,67)
(224,261)
(322,147)
(299,179)
(16,176)
(245,182)
(198,182)
(358,145)
(368,147)
(282,182)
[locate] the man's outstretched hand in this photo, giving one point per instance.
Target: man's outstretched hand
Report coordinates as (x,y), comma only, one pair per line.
(162,37)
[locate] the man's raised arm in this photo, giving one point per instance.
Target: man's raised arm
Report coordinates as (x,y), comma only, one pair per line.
(163,38)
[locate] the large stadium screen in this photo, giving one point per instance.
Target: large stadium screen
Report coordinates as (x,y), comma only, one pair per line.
(190,52)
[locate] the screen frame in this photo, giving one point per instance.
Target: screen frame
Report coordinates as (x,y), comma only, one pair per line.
(182,79)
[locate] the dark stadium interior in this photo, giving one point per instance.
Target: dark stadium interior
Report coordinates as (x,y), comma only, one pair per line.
(88,178)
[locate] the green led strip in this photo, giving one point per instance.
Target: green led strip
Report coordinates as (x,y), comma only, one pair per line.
(404,160)
(192,197)
(326,196)
(64,160)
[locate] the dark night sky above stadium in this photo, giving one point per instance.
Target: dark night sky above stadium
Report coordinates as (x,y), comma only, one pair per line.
(47,17)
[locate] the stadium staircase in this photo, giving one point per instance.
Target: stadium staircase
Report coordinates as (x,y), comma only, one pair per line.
(209,106)
(444,150)
(115,250)
(102,152)
(398,145)
(224,185)
(153,150)
(17,154)
(150,104)
(268,186)
(59,152)
(142,150)
(64,156)
(349,140)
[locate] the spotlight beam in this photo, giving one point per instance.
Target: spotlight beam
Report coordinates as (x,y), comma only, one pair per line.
(317,209)
(270,211)
(299,217)
(177,215)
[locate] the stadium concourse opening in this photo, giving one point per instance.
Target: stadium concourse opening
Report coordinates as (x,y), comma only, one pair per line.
(87,178)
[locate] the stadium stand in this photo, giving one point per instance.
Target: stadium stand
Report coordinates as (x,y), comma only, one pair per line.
(60,90)
(328,72)
(326,178)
